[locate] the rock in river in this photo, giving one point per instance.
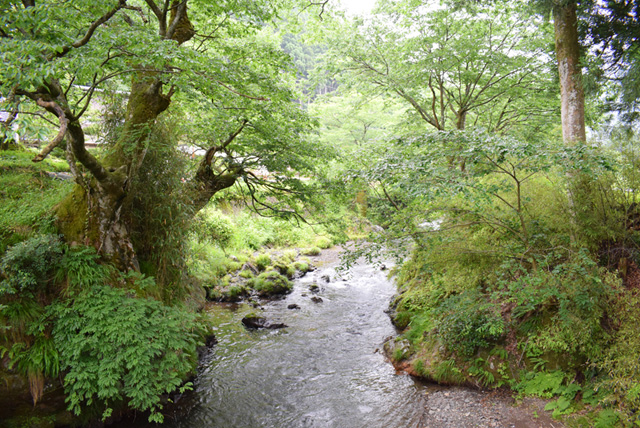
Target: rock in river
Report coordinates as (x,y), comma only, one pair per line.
(256,322)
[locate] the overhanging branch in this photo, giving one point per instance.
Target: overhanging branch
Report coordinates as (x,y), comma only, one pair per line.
(64,124)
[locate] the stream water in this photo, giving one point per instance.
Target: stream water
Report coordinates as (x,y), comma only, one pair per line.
(325,369)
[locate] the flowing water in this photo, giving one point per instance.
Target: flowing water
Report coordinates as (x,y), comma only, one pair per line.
(325,369)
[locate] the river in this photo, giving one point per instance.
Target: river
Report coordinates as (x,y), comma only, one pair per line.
(326,368)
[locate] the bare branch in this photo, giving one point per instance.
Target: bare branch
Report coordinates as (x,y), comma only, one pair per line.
(322,4)
(140,12)
(240,93)
(64,123)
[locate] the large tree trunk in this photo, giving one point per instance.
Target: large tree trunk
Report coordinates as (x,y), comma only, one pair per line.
(568,55)
(106,222)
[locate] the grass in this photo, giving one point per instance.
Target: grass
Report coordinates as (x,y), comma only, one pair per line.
(28,195)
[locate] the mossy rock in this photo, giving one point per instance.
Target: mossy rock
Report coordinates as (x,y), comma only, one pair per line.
(301,266)
(323,242)
(231,293)
(271,283)
(313,251)
(262,261)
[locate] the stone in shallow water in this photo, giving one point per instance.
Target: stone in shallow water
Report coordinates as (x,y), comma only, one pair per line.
(256,322)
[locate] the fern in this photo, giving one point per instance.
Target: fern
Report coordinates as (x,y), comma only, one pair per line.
(117,348)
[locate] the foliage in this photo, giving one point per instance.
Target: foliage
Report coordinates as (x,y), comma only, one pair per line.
(573,297)
(450,66)
(468,322)
(215,226)
(115,348)
(80,268)
(543,384)
(27,266)
(620,361)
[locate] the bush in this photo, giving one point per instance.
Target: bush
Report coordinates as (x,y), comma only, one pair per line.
(80,269)
(469,322)
(115,348)
(29,265)
(216,226)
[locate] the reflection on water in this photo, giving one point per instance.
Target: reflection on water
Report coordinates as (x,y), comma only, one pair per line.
(323,370)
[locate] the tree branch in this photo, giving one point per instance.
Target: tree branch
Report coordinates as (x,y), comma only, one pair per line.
(92,28)
(64,123)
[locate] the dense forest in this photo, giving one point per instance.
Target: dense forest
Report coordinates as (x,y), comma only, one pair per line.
(155,154)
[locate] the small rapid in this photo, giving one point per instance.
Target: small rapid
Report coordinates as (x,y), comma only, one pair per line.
(325,369)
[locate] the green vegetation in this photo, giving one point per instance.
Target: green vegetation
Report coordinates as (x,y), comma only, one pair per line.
(450,134)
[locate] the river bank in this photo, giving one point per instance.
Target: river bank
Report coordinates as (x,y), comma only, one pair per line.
(326,368)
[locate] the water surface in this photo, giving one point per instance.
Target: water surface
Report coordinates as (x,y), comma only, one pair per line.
(325,369)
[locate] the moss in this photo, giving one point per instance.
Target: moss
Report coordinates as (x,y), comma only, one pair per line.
(301,266)
(288,256)
(313,251)
(271,283)
(262,261)
(323,242)
(233,266)
(291,271)
(246,274)
(71,215)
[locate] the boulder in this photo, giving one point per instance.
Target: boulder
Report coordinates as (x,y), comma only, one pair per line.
(257,322)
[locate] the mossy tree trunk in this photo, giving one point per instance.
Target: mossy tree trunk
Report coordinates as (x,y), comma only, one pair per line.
(98,211)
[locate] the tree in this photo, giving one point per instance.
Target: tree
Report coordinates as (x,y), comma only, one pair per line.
(454,67)
(565,24)
(213,57)
(612,28)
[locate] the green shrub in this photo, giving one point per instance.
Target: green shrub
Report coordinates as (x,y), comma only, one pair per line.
(80,269)
(115,348)
(216,226)
(29,265)
(467,322)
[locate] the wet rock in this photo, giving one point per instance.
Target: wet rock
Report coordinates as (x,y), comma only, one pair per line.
(314,288)
(397,349)
(210,340)
(383,267)
(316,299)
(326,278)
(256,322)
(293,306)
(248,266)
